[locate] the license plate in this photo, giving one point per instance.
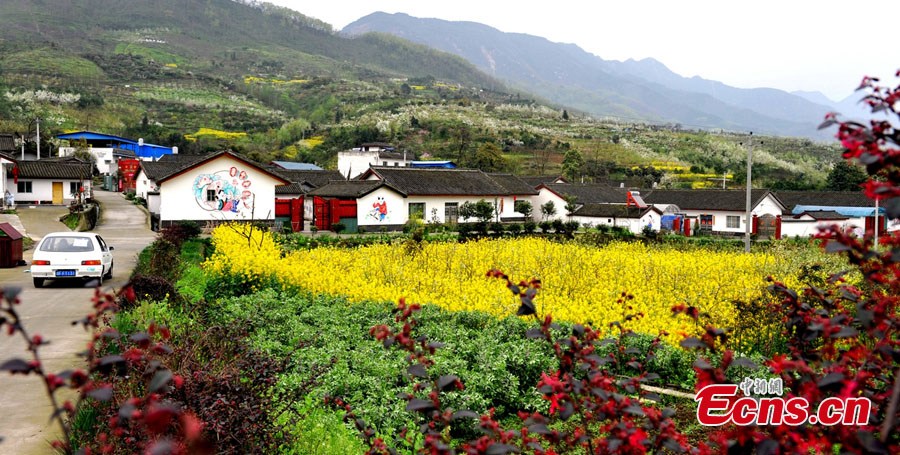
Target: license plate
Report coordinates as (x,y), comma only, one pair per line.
(65,273)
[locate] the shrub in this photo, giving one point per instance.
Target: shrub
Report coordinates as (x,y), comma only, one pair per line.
(529,227)
(559,226)
(514,228)
(572,226)
(497,228)
(153,288)
(338,227)
(545,226)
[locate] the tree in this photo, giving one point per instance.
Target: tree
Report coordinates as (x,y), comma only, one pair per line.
(548,209)
(845,176)
(525,208)
(571,205)
(573,164)
(488,157)
(483,211)
(565,115)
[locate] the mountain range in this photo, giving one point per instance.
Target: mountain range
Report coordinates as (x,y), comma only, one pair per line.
(631,90)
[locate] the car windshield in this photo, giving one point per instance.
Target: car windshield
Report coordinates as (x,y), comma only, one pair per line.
(67,244)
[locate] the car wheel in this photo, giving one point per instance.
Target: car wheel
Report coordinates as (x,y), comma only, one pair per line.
(38,282)
(108,275)
(100,279)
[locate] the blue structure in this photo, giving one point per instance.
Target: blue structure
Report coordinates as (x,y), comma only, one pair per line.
(295,166)
(433,164)
(852,212)
(141,150)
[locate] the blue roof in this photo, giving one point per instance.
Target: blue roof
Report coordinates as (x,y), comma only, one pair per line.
(141,151)
(853,212)
(433,164)
(295,166)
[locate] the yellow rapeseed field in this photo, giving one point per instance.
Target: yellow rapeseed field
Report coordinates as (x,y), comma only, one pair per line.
(580,283)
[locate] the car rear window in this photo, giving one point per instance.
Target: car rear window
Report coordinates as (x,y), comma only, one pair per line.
(67,244)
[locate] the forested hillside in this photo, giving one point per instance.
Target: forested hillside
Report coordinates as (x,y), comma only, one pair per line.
(271,83)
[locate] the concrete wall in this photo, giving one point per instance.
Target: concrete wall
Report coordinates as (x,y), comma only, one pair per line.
(143,185)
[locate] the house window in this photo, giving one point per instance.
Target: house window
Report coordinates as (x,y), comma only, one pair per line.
(210,195)
(706,223)
(733,221)
(24,187)
(74,187)
(384,163)
(451,212)
(417,210)
(396,163)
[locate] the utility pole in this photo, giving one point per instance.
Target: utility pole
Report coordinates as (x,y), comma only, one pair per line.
(37,122)
(749,220)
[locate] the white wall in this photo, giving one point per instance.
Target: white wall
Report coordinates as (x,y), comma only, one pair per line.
(355,162)
(104,157)
(143,185)
(42,190)
(398,207)
(767,206)
(808,227)
(543,196)
(248,194)
(369,209)
(634,225)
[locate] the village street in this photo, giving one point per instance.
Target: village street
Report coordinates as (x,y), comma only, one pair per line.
(25,421)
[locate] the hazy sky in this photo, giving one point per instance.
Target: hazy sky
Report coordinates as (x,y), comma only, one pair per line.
(824,45)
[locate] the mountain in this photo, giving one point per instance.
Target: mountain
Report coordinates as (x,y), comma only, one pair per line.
(570,76)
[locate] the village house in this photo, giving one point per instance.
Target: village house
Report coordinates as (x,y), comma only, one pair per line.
(48,181)
(807,211)
(720,212)
(354,162)
(579,193)
(210,189)
(394,195)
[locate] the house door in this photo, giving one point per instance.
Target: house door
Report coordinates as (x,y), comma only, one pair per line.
(58,193)
(766,228)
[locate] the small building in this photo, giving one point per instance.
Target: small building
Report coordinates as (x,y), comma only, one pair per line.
(10,246)
(107,149)
(807,211)
(211,189)
(579,193)
(723,212)
(631,217)
(354,162)
(50,181)
(388,197)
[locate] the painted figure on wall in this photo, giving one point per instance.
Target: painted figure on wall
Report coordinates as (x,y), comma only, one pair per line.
(225,191)
(379,210)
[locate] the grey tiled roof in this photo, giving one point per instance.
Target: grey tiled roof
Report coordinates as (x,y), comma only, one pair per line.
(7,143)
(513,184)
(70,170)
(726,200)
(439,182)
(611,211)
(792,199)
(589,193)
(347,188)
(314,178)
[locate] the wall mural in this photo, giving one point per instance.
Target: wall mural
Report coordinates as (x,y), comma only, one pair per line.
(225,191)
(379,210)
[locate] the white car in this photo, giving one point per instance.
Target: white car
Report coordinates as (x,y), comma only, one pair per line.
(71,255)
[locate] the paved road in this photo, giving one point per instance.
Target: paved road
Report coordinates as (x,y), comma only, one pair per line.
(24,418)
